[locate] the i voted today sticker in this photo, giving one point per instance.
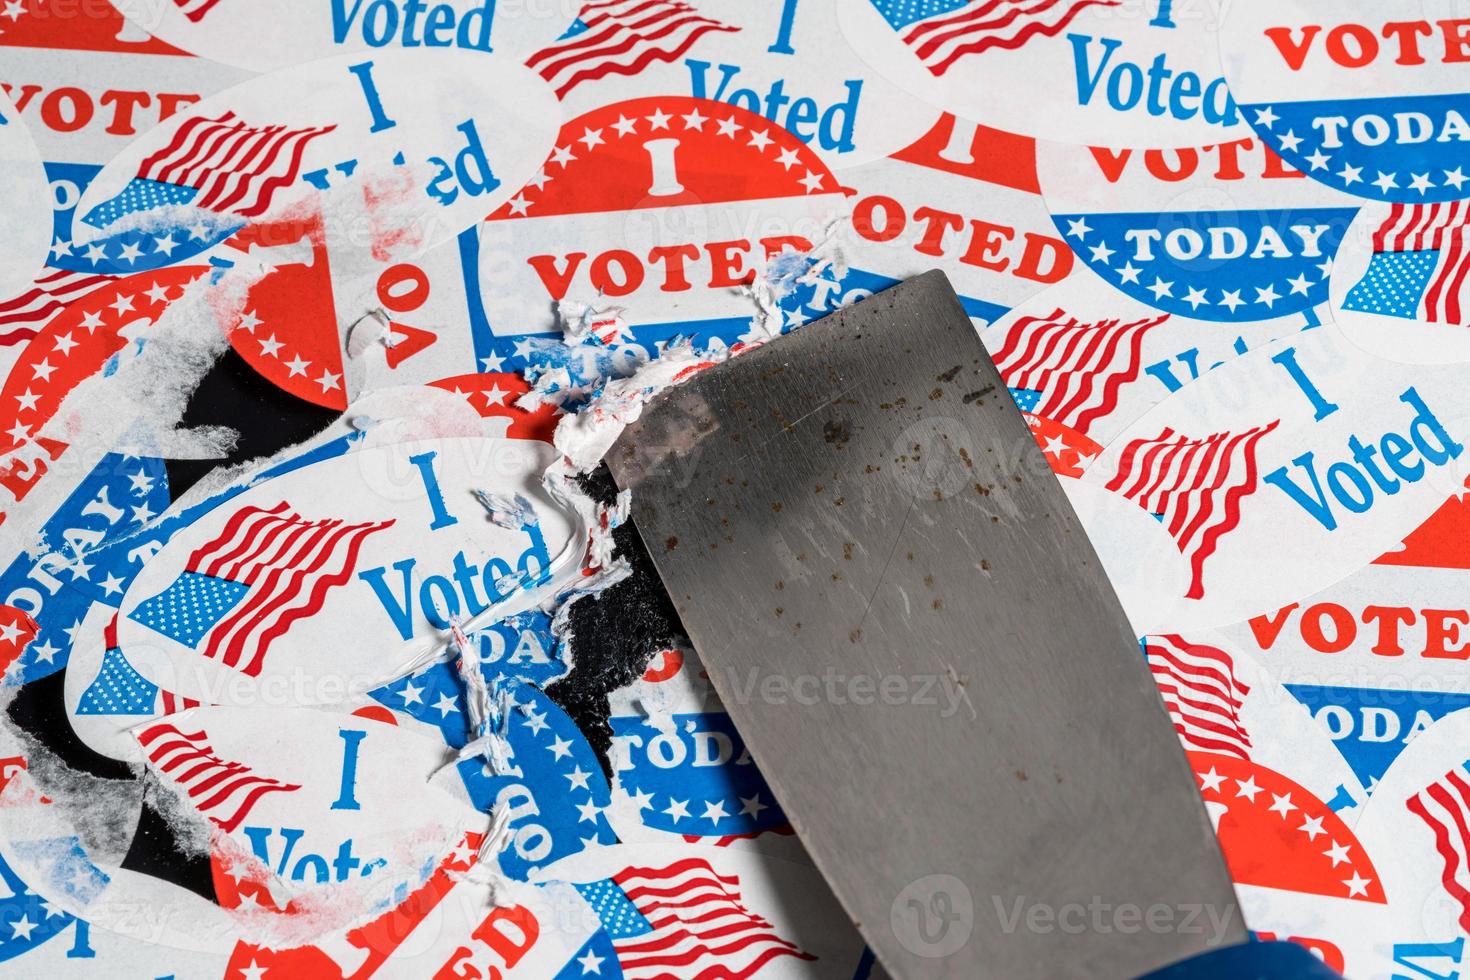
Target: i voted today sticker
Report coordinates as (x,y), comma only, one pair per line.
(1366,96)
(1227,231)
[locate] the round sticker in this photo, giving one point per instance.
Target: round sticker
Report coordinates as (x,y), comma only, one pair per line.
(1221,232)
(1366,96)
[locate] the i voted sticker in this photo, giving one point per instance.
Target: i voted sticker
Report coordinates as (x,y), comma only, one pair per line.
(1135,72)
(786,60)
(377,132)
(1307,440)
(329,579)
(1401,285)
(1365,96)
(1224,232)
(963,198)
(1084,362)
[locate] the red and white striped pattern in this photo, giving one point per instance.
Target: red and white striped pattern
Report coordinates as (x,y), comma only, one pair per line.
(195,10)
(289,564)
(1078,368)
(236,167)
(622,37)
(221,790)
(1417,227)
(984,24)
(23,316)
(1202,693)
(1195,485)
(701,931)
(1444,805)
(1447,297)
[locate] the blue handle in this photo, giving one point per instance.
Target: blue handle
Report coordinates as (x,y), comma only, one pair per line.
(1250,961)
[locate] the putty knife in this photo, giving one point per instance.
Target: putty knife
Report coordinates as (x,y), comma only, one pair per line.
(909,627)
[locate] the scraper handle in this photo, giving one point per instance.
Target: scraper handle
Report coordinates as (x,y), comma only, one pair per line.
(1250,961)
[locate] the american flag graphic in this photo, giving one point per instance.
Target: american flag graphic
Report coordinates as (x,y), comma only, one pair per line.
(195,10)
(223,791)
(1194,486)
(1444,805)
(941,32)
(1420,267)
(234,167)
(621,37)
(684,920)
(1075,369)
(1202,693)
(23,316)
(239,592)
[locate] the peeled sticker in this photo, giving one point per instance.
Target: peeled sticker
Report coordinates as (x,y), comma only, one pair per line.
(1366,96)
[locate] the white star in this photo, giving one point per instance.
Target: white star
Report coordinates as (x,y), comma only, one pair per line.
(9,632)
(269,346)
(1299,284)
(1194,297)
(519,204)
(1291,141)
(788,158)
(1357,884)
(91,321)
(523,349)
(1282,804)
(587,812)
(1455,177)
(540,180)
(254,971)
(95,253)
(562,155)
(1101,252)
(1265,117)
(131,252)
(14,8)
(695,121)
(1129,273)
(1350,175)
(1385,181)
(591,137)
(64,343)
(59,248)
(728,127)
(411,694)
(141,512)
(578,778)
(759,139)
(715,812)
(1230,298)
(445,704)
(157,293)
(18,433)
(1312,828)
(42,371)
(123,304)
(1055,446)
(495,396)
(753,806)
(51,910)
(1420,182)
(112,584)
(27,401)
(328,380)
(812,182)
(535,722)
(1267,295)
(166,244)
(297,366)
(22,929)
(491,362)
(1318,160)
(1326,267)
(560,748)
(43,652)
(1247,788)
(642,800)
(1078,227)
(659,119)
(678,809)
(1338,853)
(624,125)
(591,963)
(1161,289)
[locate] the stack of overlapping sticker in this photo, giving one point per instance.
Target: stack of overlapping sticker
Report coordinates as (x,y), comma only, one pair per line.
(326,651)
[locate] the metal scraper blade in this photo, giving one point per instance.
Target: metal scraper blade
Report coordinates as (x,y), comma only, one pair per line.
(912,633)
